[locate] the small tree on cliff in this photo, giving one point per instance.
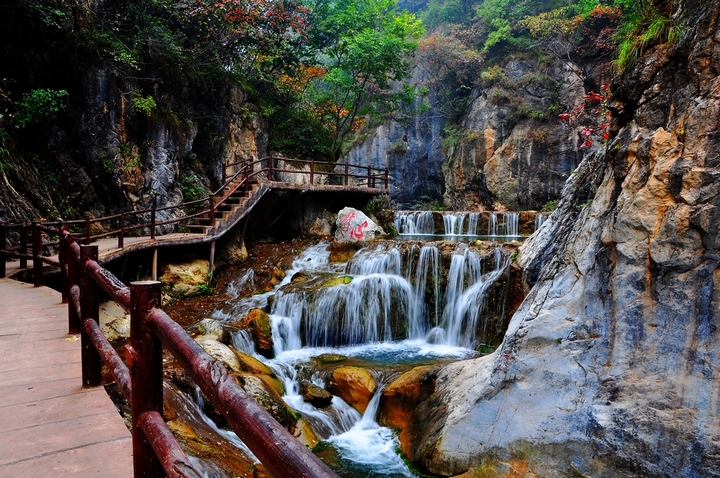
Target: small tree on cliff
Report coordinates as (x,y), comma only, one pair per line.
(364,45)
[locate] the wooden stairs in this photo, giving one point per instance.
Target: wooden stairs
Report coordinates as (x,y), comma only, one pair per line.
(235,204)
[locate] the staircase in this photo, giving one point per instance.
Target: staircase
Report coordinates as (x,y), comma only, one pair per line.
(230,208)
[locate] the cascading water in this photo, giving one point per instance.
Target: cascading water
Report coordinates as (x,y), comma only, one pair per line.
(539,220)
(385,306)
(414,222)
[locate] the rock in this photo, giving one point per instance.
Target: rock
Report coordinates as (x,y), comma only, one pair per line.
(402,396)
(355,385)
(330,358)
(114,322)
(321,227)
(353,226)
(219,351)
(258,323)
(266,396)
(212,327)
(342,280)
(343,251)
(250,364)
(185,279)
(305,434)
(610,365)
(315,395)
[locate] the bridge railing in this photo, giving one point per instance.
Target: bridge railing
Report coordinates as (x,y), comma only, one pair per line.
(155,450)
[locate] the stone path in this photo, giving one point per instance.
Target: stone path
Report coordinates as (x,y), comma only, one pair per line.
(49,424)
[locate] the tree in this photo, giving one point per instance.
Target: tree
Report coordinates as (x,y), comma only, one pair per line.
(365,46)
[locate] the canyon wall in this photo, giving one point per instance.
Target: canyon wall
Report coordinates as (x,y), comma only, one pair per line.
(611,366)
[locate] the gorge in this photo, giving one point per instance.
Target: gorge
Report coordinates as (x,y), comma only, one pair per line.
(610,366)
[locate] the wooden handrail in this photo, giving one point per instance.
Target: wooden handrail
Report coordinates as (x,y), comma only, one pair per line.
(127,221)
(155,450)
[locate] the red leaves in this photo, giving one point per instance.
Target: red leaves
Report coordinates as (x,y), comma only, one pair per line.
(599,116)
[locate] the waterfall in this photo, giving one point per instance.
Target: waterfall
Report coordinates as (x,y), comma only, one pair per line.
(473,221)
(492,224)
(453,223)
(414,222)
(510,225)
(539,220)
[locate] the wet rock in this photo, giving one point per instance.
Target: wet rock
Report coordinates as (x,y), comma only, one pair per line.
(402,396)
(212,327)
(355,385)
(300,276)
(342,280)
(343,252)
(267,397)
(219,351)
(250,364)
(330,358)
(315,395)
(258,323)
(305,434)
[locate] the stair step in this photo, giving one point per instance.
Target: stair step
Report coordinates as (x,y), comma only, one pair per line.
(197,229)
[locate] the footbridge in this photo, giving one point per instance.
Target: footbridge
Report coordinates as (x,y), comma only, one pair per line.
(201,221)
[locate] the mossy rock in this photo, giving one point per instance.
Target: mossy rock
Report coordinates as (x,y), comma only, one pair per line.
(337,281)
(330,358)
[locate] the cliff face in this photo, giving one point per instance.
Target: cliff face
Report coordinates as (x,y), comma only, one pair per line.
(103,153)
(509,151)
(612,363)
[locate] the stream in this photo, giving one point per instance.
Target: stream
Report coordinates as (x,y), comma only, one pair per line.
(395,305)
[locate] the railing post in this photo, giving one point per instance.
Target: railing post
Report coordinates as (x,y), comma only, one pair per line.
(312,171)
(368,176)
(121,227)
(247,179)
(63,255)
(89,308)
(87,227)
(23,245)
(145,351)
(37,254)
(152,218)
(212,210)
(73,272)
(3,246)
(270,169)
(387,178)
(347,169)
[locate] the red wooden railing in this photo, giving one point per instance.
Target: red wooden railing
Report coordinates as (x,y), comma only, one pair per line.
(155,451)
(117,225)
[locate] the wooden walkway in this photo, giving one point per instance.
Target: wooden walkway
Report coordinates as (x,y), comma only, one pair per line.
(49,424)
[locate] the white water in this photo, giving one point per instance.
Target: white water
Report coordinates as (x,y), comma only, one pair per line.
(414,222)
(381,316)
(539,220)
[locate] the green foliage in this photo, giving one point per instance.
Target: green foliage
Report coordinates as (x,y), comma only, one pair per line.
(193,189)
(39,106)
(143,104)
(440,12)
(426,203)
(642,26)
(550,206)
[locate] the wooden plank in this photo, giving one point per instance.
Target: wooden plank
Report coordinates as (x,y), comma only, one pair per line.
(49,424)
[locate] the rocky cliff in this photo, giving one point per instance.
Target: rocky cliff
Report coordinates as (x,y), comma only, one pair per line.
(507,150)
(611,366)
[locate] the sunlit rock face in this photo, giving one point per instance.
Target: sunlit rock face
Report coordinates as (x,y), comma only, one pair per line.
(612,363)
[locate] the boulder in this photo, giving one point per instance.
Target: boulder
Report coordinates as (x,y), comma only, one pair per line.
(402,396)
(212,327)
(258,323)
(219,351)
(315,395)
(267,397)
(354,226)
(321,227)
(355,385)
(185,279)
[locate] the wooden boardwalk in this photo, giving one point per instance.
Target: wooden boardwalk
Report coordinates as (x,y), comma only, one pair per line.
(49,424)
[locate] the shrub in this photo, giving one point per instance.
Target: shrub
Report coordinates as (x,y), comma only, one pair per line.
(39,106)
